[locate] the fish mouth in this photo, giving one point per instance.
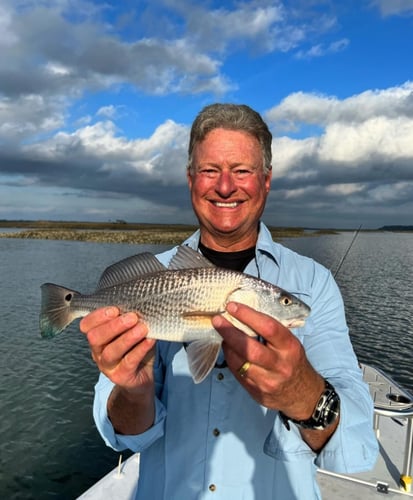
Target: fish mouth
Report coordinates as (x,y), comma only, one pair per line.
(294,323)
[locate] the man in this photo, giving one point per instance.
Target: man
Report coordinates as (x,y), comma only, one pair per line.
(272,410)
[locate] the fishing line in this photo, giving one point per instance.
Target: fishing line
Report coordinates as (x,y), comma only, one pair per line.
(347,251)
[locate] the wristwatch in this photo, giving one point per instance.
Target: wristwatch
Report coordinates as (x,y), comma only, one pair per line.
(325,412)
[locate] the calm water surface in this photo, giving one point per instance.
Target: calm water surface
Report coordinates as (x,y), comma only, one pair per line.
(49,447)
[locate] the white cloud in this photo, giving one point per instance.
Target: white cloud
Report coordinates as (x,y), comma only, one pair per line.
(288,153)
(394,7)
(69,57)
(70,47)
(28,116)
(57,69)
(372,140)
(321,50)
(160,158)
(344,189)
(316,109)
(107,111)
(361,152)
(327,151)
(7,36)
(249,22)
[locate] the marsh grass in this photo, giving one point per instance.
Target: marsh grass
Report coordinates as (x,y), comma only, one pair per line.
(123,232)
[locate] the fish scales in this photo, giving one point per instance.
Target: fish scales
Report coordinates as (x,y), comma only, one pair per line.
(169,295)
(177,303)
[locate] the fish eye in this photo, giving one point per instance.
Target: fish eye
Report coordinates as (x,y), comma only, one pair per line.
(285,300)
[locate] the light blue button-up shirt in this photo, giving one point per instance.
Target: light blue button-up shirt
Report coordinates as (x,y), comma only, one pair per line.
(212,440)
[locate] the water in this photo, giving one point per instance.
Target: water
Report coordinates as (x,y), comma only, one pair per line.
(376,282)
(12,229)
(49,447)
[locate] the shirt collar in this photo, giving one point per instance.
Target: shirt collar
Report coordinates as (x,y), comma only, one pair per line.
(265,244)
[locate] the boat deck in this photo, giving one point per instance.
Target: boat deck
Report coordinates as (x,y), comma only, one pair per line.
(119,484)
(394,428)
(385,477)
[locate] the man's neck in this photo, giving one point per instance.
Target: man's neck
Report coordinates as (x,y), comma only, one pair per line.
(236,261)
(228,242)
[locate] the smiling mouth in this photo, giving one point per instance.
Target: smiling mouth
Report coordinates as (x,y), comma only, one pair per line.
(221,204)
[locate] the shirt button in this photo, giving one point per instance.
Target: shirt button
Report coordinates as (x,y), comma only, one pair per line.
(220,376)
(212,487)
(216,432)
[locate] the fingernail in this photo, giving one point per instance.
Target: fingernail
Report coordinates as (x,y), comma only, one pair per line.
(232,307)
(111,312)
(129,319)
(217,321)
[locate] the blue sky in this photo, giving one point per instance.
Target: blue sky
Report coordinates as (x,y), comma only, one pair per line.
(97,98)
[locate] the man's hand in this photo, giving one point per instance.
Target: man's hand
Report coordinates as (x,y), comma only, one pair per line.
(279,376)
(119,346)
(122,352)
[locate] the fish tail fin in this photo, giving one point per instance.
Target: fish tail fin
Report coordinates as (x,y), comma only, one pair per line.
(56,312)
(202,356)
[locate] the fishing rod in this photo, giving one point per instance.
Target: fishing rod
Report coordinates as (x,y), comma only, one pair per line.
(347,251)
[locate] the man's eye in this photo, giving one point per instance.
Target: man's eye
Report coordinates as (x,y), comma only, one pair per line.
(242,172)
(209,172)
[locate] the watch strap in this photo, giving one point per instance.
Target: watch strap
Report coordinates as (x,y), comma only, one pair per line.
(323,415)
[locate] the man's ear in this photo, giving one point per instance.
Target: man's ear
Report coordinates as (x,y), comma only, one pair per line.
(268,179)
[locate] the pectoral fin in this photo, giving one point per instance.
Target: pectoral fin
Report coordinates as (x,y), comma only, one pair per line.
(202,356)
(244,328)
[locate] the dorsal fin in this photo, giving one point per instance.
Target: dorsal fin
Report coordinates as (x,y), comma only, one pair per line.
(130,268)
(186,258)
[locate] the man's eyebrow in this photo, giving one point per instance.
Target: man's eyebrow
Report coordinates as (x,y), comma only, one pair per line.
(232,165)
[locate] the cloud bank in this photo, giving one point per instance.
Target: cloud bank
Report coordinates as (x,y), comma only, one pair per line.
(331,155)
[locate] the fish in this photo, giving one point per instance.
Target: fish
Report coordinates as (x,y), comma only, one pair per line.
(177,302)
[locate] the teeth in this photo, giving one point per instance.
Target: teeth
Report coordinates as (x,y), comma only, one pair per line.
(226,205)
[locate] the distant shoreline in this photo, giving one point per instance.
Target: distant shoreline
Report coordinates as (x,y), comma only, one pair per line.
(122,232)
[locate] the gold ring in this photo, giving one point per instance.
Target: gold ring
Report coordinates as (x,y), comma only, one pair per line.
(244,368)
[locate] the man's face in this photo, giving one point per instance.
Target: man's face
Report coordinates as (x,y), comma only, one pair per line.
(228,188)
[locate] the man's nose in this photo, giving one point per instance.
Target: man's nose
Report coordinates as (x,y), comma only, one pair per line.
(225,185)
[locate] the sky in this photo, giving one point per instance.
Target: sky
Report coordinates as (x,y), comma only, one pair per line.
(97,99)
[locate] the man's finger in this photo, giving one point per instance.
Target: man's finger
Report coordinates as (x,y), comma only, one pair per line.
(106,332)
(265,326)
(98,317)
(120,345)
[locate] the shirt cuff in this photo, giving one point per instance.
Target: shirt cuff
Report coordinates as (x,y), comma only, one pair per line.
(353,447)
(119,442)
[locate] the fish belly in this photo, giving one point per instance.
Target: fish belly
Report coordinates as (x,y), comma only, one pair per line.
(177,305)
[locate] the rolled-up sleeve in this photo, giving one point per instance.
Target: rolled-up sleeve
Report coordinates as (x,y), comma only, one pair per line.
(103,388)
(353,447)
(120,442)
(325,337)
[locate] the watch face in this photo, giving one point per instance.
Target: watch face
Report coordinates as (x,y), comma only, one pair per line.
(332,410)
